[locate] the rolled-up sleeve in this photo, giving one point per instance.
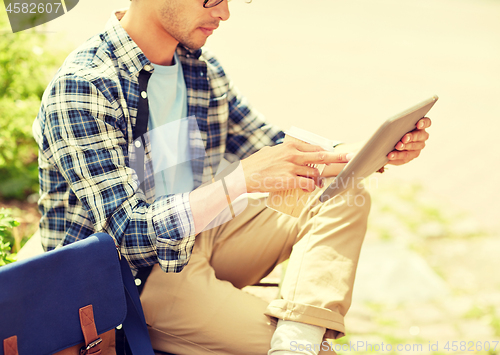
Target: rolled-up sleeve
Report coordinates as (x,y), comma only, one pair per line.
(83,135)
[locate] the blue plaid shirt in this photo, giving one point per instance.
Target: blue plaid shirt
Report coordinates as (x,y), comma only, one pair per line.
(84,131)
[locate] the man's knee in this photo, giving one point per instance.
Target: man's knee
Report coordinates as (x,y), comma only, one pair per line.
(361,199)
(353,202)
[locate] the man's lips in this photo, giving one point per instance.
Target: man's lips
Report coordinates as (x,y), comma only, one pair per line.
(207,31)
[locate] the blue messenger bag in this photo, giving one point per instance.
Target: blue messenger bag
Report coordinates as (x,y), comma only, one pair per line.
(70,300)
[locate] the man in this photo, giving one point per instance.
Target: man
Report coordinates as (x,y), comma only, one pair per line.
(148,64)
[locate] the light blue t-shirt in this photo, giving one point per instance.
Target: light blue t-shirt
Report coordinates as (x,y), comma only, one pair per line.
(168,130)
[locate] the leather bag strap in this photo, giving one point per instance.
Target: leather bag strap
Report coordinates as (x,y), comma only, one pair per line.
(92,340)
(10,346)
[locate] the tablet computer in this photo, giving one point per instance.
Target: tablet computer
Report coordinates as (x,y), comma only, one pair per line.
(373,155)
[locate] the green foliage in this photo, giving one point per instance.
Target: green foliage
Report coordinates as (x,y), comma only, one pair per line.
(25,70)
(408,212)
(487,313)
(6,237)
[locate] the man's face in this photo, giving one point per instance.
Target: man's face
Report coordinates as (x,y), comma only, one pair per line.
(188,22)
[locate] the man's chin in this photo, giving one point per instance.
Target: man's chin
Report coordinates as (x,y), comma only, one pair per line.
(194,45)
(195,48)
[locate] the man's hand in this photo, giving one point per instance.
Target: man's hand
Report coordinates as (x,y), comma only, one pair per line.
(287,166)
(407,149)
(412,143)
(345,148)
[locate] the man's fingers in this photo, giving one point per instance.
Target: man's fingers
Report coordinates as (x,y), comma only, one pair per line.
(333,169)
(418,134)
(410,146)
(305,184)
(323,157)
(306,171)
(305,154)
(424,123)
(398,162)
(306,147)
(311,173)
(414,136)
(404,156)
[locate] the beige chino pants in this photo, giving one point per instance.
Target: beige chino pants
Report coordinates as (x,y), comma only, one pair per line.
(202,310)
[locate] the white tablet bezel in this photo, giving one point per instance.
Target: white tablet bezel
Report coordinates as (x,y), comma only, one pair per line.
(373,155)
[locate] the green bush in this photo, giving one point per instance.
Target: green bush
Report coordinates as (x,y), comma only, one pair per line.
(26,67)
(6,237)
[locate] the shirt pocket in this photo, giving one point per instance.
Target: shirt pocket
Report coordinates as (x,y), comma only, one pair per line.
(218,108)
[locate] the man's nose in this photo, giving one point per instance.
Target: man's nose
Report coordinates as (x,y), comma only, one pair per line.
(221,11)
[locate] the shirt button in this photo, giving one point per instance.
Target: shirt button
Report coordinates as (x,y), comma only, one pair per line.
(144,94)
(137,144)
(131,70)
(138,282)
(148,67)
(201,74)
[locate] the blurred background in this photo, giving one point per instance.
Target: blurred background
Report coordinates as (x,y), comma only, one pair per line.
(430,267)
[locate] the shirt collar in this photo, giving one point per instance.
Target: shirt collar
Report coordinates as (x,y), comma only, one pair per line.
(188,53)
(128,52)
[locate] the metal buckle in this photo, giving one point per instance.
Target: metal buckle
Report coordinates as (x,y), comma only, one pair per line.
(84,350)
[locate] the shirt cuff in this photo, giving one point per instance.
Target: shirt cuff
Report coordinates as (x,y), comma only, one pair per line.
(174,228)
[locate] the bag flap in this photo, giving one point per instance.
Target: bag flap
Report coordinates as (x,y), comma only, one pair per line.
(40,297)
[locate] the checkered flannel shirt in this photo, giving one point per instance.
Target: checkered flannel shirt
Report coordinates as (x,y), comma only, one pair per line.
(84,131)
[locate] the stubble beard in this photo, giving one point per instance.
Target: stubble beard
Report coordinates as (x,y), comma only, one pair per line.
(179,30)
